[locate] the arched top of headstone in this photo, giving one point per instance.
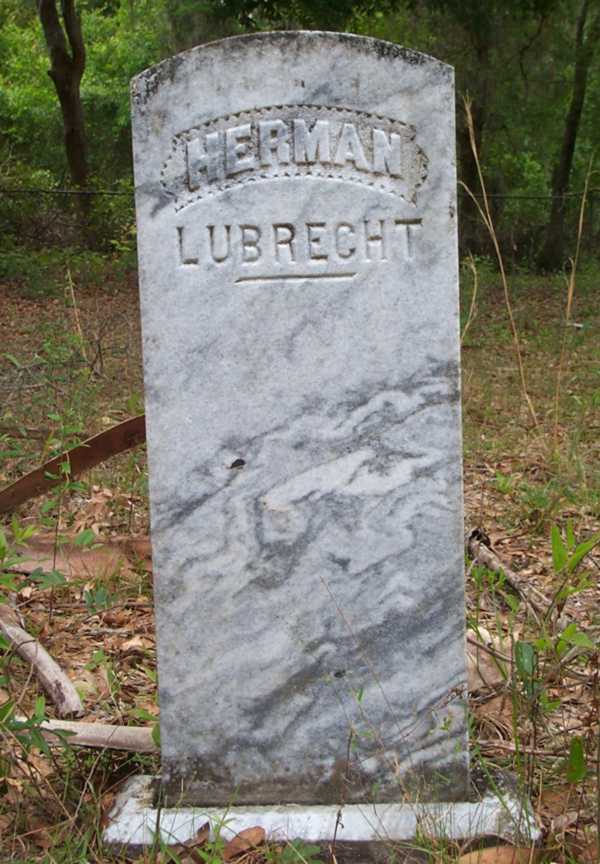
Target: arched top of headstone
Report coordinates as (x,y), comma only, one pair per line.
(303,104)
(146,84)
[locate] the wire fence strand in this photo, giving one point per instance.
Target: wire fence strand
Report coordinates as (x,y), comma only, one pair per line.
(520,218)
(130,193)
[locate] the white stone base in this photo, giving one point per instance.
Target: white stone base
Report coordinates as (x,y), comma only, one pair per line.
(134,820)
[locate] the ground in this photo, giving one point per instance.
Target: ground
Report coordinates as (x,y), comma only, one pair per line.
(70,367)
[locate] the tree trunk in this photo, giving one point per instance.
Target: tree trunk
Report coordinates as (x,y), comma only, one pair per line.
(552,255)
(67,67)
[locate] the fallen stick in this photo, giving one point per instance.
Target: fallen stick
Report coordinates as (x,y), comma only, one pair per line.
(55,682)
(481,553)
(137,739)
(90,453)
(508,747)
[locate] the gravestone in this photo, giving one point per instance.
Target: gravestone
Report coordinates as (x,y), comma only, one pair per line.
(296,212)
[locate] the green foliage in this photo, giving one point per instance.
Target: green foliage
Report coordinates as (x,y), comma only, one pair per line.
(298,851)
(305,14)
(26,732)
(118,45)
(97,599)
(526,662)
(576,764)
(48,579)
(514,59)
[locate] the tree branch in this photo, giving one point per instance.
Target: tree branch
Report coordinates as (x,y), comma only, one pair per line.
(483,554)
(52,678)
(54,35)
(74,35)
(136,739)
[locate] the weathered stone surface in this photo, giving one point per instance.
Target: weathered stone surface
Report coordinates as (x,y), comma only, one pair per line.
(297,243)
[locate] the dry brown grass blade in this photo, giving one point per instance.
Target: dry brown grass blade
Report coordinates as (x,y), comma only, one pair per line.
(486,216)
(570,295)
(472,307)
(76,318)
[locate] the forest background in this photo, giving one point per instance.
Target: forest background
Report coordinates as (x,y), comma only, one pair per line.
(531,69)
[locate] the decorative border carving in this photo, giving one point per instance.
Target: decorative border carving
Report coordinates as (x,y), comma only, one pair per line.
(174,176)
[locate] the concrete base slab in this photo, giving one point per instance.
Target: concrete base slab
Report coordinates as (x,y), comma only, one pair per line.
(135,821)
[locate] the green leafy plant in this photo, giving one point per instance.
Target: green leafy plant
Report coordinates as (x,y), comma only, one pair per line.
(575,765)
(298,851)
(97,599)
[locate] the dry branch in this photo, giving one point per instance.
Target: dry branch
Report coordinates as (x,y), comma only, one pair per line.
(55,682)
(482,554)
(87,455)
(136,739)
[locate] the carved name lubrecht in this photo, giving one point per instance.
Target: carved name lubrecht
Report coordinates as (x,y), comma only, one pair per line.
(295,141)
(288,244)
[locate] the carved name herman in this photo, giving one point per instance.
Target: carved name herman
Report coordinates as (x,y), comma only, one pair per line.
(298,140)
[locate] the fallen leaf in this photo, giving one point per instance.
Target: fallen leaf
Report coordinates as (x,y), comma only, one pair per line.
(495,715)
(555,800)
(483,670)
(501,855)
(585,852)
(106,803)
(86,684)
(136,643)
(117,617)
(41,838)
(247,839)
(187,853)
(563,821)
(202,835)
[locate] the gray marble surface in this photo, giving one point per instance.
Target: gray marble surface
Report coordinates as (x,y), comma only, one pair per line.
(297,245)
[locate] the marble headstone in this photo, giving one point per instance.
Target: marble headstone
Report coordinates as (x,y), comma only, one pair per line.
(298,265)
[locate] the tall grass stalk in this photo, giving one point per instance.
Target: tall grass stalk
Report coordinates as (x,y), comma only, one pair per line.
(486,216)
(473,305)
(571,282)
